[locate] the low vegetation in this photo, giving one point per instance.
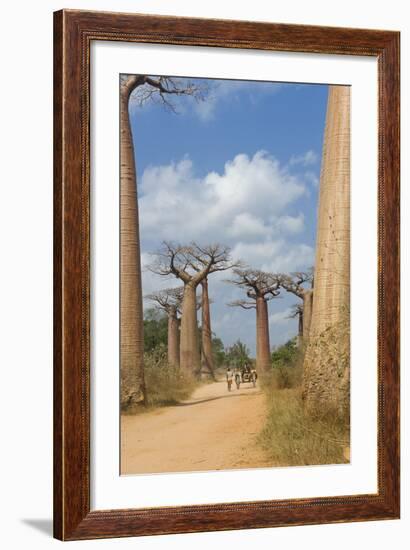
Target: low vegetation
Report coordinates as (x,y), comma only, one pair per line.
(290,436)
(237,355)
(155,330)
(287,364)
(165,384)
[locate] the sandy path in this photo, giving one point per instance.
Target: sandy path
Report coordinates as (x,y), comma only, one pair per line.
(213,430)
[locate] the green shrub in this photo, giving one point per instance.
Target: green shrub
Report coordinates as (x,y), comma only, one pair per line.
(155,329)
(285,355)
(286,366)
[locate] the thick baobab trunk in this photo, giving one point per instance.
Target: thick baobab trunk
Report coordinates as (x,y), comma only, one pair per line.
(307,314)
(189,355)
(263,360)
(326,366)
(132,344)
(207,361)
(173,338)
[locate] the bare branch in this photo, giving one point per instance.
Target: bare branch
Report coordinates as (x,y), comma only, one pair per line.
(171,260)
(159,89)
(257,283)
(243,304)
(296,311)
(294,282)
(169,300)
(192,263)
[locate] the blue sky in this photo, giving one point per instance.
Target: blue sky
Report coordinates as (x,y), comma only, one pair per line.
(241,168)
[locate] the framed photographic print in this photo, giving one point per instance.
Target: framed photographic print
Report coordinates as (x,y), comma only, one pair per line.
(226,275)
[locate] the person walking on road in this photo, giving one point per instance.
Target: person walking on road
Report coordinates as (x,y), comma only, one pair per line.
(229,377)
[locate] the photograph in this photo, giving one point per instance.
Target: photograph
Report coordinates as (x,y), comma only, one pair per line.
(234,274)
(226,273)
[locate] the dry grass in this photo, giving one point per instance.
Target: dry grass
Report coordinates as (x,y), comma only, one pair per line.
(293,438)
(284,378)
(165,384)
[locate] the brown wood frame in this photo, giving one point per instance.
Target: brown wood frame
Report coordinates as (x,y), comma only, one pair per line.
(73,33)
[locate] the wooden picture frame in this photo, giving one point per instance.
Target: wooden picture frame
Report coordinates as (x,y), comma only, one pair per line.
(74,32)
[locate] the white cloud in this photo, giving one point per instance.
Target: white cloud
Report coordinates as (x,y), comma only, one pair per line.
(280,317)
(274,255)
(312,178)
(247,226)
(291,224)
(245,200)
(307,159)
(220,92)
(258,185)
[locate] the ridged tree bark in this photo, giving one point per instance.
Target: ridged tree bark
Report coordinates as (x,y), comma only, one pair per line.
(132,335)
(190,360)
(326,365)
(307,314)
(263,360)
(300,327)
(173,337)
(207,360)
(179,340)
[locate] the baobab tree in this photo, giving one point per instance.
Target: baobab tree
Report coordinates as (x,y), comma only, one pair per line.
(141,88)
(260,287)
(297,311)
(170,301)
(191,264)
(326,373)
(207,360)
(294,283)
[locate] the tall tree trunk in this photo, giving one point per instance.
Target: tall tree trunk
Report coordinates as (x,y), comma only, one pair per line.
(207,360)
(132,335)
(179,340)
(173,338)
(300,329)
(307,314)
(326,366)
(189,359)
(263,360)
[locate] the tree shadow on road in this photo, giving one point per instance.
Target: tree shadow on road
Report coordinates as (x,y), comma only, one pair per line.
(208,399)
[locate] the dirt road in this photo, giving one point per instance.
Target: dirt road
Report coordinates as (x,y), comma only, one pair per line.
(213,430)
